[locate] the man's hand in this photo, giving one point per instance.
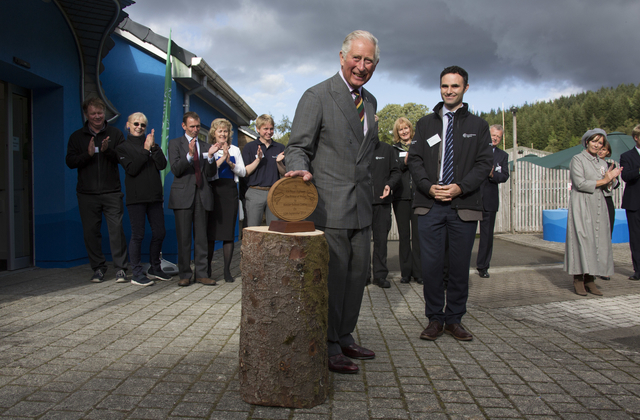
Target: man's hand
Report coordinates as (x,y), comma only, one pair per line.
(445,192)
(148,143)
(214,148)
(192,147)
(386,192)
(306,175)
(280,157)
(105,144)
(491,173)
(92,147)
(260,153)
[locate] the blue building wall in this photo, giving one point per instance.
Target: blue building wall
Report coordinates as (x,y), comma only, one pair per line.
(133,81)
(40,35)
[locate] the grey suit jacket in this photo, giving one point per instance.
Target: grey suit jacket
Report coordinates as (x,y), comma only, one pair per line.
(327,140)
(183,189)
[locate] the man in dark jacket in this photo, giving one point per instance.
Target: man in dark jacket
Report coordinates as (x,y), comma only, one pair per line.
(449,159)
(384,172)
(491,200)
(92,150)
(630,163)
(142,160)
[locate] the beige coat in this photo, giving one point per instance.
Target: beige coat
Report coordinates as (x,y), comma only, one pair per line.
(588,244)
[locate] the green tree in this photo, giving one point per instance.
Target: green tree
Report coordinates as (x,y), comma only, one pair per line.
(283,130)
(388,115)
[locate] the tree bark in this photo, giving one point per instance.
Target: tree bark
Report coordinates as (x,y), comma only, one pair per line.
(283,329)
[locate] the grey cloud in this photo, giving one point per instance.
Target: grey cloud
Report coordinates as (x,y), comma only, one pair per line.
(585,43)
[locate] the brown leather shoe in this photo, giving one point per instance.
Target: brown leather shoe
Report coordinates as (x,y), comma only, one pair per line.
(432,332)
(184,282)
(355,351)
(342,364)
(458,332)
(578,285)
(206,281)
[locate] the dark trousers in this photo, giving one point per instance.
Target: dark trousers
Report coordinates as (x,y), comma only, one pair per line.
(349,256)
(380,227)
(633,221)
(485,247)
(137,213)
(192,223)
(92,207)
(409,244)
(443,220)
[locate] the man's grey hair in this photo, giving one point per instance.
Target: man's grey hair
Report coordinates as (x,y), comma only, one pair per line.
(497,127)
(346,44)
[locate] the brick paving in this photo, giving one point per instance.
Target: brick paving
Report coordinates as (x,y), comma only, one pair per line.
(71,349)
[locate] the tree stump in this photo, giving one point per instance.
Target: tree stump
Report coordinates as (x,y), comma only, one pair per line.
(283,329)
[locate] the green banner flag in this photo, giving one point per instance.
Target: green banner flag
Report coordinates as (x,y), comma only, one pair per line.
(167,110)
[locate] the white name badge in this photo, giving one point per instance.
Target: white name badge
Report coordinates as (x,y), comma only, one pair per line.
(435,139)
(97,150)
(402,154)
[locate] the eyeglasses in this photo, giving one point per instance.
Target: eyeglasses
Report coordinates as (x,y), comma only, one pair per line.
(143,125)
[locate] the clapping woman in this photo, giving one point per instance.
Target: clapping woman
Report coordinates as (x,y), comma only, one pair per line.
(221,225)
(588,251)
(142,160)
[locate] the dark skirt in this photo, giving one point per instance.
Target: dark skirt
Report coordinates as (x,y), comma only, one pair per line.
(221,225)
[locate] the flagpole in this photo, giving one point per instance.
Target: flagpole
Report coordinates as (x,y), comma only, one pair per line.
(166,116)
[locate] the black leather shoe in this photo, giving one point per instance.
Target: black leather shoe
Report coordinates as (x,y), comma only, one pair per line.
(636,276)
(605,277)
(483,273)
(458,332)
(342,364)
(355,351)
(419,280)
(432,332)
(384,283)
(405,280)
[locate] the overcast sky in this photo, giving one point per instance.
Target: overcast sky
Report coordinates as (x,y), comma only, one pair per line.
(516,51)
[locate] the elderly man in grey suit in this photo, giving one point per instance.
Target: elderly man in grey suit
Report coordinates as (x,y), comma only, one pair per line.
(191,197)
(333,137)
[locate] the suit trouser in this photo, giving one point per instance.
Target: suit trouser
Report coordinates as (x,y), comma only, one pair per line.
(485,247)
(633,220)
(155,213)
(409,244)
(92,207)
(349,254)
(380,227)
(443,220)
(256,206)
(192,221)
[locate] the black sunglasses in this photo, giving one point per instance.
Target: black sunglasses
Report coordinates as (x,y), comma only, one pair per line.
(143,125)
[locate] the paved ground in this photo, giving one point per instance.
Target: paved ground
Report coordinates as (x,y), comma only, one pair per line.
(70,349)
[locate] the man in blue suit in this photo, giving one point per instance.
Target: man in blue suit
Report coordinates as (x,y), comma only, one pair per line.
(491,200)
(630,163)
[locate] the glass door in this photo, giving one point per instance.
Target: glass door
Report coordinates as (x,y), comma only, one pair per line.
(16,199)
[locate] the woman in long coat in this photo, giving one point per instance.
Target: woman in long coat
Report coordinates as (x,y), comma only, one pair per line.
(588,250)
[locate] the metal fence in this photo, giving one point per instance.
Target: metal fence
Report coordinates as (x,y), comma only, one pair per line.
(536,188)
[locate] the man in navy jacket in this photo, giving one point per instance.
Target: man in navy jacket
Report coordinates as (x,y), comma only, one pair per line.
(491,200)
(448,200)
(630,163)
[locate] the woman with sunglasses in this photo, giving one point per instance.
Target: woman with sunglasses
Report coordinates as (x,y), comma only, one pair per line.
(142,160)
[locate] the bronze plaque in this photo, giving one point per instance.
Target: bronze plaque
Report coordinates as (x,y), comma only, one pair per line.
(292,199)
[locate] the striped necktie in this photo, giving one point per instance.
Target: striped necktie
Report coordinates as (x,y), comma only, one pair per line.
(359,105)
(447,164)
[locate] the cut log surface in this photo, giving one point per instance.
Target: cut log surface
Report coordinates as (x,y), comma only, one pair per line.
(283,329)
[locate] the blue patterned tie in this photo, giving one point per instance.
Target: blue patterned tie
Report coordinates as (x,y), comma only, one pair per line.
(447,164)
